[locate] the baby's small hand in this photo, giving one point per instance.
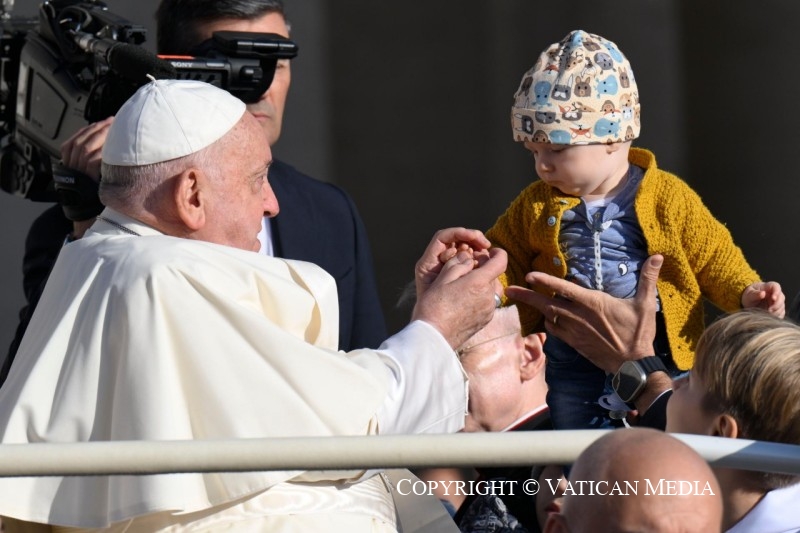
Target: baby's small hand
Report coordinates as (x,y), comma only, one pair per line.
(452,250)
(766,295)
(479,256)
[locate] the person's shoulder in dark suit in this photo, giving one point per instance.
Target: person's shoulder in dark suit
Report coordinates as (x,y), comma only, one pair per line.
(318,222)
(43,243)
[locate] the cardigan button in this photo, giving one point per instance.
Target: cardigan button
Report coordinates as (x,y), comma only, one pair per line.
(556,261)
(551,221)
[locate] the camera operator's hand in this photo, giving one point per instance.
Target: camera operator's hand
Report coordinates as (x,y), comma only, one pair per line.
(82,151)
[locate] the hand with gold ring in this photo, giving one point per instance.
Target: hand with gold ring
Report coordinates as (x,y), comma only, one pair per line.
(604,329)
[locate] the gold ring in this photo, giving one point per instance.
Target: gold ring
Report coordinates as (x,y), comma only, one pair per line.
(555,320)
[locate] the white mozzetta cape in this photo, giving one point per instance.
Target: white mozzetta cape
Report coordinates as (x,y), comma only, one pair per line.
(153,337)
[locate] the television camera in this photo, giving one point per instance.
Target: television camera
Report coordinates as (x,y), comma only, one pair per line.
(77,63)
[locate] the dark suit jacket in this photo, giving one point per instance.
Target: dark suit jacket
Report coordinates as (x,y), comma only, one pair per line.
(318,222)
(42,244)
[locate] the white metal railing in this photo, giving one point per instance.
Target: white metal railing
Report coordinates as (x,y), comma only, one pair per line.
(348,453)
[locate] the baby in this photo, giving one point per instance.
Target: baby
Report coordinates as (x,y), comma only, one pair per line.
(600,209)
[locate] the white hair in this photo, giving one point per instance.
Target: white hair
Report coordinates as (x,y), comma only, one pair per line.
(130,186)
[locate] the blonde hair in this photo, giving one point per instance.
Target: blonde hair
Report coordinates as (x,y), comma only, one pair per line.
(749,362)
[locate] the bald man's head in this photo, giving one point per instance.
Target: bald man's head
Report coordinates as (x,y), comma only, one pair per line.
(635,480)
(506,373)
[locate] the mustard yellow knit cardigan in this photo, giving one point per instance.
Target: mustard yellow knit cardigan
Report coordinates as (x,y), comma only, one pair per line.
(700,257)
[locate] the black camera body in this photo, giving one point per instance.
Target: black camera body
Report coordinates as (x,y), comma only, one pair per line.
(77,63)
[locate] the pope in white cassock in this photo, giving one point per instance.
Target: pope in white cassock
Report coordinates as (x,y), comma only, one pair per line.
(162,324)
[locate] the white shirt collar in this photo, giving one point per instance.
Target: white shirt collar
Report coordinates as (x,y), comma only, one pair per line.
(526,416)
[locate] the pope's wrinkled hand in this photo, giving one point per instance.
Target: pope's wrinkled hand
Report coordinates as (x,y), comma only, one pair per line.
(457,296)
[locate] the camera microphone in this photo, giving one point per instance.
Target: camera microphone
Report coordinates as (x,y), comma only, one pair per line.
(130,61)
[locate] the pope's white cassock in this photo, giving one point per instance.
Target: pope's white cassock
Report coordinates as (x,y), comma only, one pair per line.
(142,336)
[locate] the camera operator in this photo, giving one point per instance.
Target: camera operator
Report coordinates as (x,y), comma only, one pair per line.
(318,222)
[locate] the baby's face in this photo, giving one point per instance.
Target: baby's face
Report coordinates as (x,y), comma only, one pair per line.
(581,170)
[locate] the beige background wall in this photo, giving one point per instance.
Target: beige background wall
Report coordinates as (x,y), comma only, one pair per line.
(408,110)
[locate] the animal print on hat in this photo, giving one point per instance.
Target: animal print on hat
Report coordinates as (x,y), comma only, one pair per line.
(580,91)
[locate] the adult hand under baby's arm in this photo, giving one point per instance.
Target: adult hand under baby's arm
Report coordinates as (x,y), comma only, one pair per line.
(606,330)
(766,295)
